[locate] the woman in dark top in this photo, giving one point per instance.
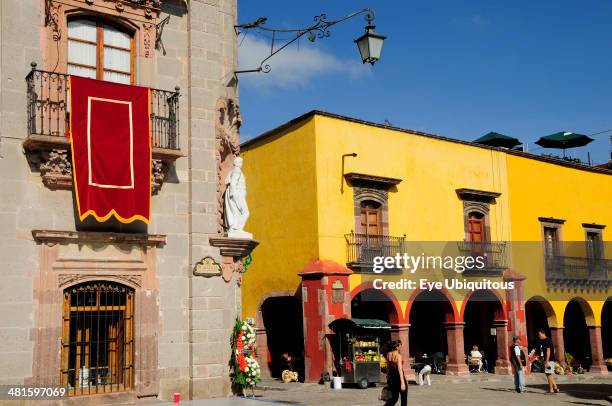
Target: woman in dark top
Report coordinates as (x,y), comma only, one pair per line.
(395,375)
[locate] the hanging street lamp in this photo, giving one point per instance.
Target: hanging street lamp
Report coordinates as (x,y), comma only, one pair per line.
(369,44)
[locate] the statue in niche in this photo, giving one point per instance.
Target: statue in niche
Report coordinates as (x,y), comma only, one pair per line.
(236,211)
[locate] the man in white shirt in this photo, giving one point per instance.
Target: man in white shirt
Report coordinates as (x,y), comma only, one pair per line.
(517,364)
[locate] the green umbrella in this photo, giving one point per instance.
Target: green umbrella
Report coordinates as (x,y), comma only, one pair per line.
(564,140)
(498,140)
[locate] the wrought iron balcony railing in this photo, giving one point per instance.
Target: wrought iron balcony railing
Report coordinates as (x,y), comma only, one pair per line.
(584,271)
(362,248)
(494,254)
(48,109)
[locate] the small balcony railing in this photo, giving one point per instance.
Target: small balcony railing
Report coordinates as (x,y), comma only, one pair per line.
(49,113)
(563,270)
(494,254)
(363,248)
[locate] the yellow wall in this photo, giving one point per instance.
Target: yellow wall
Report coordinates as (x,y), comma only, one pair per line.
(299,211)
(281,194)
(425,205)
(541,189)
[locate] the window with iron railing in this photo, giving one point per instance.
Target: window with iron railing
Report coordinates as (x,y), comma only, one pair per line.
(363,248)
(49,109)
(591,269)
(493,254)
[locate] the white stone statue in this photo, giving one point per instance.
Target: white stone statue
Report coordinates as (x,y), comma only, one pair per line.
(236,210)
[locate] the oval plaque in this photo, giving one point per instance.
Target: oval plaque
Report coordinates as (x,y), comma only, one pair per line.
(207,267)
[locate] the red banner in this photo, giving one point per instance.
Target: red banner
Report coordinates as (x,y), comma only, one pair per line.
(110,136)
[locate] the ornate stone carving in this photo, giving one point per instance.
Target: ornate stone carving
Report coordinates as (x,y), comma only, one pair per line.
(227,138)
(50,237)
(159,170)
(228,269)
(52,18)
(56,169)
(55,165)
(156,4)
(69,279)
(363,193)
(233,250)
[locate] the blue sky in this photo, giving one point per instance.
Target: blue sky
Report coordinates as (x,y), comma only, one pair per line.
(456,68)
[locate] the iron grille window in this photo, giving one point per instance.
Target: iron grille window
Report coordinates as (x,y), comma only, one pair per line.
(97,338)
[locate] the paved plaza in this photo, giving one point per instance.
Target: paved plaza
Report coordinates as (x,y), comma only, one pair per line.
(483,390)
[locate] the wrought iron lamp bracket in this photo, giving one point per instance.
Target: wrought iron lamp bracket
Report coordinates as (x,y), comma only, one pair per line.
(159,31)
(319,30)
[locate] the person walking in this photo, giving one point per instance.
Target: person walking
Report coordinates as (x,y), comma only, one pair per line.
(546,351)
(516,354)
(395,375)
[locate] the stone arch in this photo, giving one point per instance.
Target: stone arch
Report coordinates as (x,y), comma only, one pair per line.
(455,310)
(394,308)
(577,318)
(65,281)
(279,329)
(539,314)
(589,315)
(428,313)
(549,311)
(375,195)
(483,311)
(486,295)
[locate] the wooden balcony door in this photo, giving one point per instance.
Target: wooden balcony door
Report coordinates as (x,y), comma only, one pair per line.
(371,218)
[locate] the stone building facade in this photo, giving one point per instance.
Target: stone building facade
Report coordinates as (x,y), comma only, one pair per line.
(175,323)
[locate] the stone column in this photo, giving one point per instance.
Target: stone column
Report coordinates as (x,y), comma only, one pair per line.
(515,299)
(263,356)
(402,332)
(325,298)
(456,353)
(556,336)
(598,366)
(502,364)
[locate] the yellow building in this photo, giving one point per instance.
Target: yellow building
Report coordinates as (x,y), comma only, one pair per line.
(329,194)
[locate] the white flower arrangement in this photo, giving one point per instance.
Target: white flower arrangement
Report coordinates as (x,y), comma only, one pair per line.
(248,334)
(252,371)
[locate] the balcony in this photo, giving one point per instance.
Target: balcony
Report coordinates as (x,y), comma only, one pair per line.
(494,253)
(48,120)
(362,248)
(563,271)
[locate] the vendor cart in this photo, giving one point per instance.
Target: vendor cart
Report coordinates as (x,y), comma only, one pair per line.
(357,352)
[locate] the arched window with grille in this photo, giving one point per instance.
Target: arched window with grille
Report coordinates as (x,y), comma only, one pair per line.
(97,338)
(99,50)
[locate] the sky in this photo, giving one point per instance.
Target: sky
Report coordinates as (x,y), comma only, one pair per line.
(460,69)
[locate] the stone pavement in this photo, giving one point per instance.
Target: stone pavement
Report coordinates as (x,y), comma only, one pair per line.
(478,389)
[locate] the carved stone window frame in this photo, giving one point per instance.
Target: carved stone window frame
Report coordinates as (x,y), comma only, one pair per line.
(594,228)
(139,18)
(477,201)
(371,188)
(557,224)
(60,269)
